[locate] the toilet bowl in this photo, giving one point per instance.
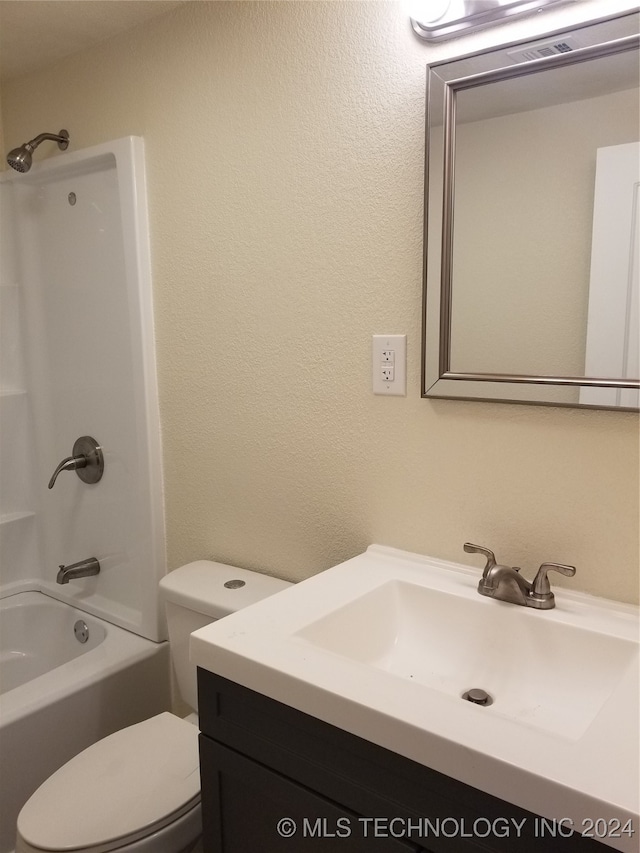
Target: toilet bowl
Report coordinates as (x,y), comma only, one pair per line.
(138,790)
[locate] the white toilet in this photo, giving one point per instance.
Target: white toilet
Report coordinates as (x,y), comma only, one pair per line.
(138,790)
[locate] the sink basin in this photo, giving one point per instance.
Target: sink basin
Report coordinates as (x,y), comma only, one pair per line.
(541,673)
(385,645)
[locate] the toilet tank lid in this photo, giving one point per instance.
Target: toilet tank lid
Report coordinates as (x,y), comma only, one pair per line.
(200,586)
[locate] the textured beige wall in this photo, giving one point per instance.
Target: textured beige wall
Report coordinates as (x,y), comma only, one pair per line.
(284,146)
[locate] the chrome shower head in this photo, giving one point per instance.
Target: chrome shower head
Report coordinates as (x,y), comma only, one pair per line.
(20,158)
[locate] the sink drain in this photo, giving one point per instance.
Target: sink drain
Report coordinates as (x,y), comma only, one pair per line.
(478,696)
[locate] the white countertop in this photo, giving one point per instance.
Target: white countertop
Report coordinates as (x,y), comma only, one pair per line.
(582,777)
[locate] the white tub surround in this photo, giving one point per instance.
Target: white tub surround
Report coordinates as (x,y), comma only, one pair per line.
(384,645)
(78,359)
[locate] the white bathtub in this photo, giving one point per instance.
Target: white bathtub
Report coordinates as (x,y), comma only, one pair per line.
(58,695)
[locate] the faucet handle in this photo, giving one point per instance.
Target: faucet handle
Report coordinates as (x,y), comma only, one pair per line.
(541,586)
(87,460)
(71,463)
(478,549)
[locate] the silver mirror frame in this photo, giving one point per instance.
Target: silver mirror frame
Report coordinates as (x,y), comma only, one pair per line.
(444,79)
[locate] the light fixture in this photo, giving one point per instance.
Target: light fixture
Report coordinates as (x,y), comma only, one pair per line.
(435,20)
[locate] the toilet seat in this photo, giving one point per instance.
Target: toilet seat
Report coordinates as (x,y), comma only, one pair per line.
(123,788)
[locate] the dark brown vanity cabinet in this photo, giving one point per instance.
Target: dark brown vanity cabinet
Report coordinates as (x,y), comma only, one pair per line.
(275,780)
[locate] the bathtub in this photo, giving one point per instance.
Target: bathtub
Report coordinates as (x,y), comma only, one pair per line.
(58,694)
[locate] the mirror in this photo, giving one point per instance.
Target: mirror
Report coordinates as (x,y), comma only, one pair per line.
(532,216)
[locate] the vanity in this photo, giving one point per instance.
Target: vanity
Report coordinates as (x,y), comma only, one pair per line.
(333,716)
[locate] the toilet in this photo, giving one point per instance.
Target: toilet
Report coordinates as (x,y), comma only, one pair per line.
(138,790)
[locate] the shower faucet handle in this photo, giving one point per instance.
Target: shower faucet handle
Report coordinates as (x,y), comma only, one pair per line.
(87,460)
(71,463)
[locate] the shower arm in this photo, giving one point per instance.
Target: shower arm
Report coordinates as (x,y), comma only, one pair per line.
(60,138)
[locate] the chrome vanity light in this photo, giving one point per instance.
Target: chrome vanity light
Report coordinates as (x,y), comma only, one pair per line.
(434,20)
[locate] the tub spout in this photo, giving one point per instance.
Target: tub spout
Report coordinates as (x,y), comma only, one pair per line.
(83,569)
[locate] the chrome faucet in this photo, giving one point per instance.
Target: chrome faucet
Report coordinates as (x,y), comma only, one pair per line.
(507,584)
(83,569)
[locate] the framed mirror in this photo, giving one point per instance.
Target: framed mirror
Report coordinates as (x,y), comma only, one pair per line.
(532,221)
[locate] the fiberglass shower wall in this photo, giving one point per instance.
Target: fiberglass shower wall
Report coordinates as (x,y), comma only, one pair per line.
(19,545)
(76,231)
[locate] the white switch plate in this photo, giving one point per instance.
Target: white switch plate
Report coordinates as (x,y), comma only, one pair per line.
(389,351)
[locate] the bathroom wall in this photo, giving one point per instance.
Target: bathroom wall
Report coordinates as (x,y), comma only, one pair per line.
(284,145)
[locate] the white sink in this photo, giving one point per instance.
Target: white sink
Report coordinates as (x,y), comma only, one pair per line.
(542,673)
(384,645)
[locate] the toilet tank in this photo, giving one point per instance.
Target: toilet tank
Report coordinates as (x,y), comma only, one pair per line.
(202,592)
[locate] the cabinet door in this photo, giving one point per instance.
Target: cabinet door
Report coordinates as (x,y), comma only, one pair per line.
(248,808)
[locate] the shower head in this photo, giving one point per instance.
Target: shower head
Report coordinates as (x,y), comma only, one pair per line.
(20,158)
